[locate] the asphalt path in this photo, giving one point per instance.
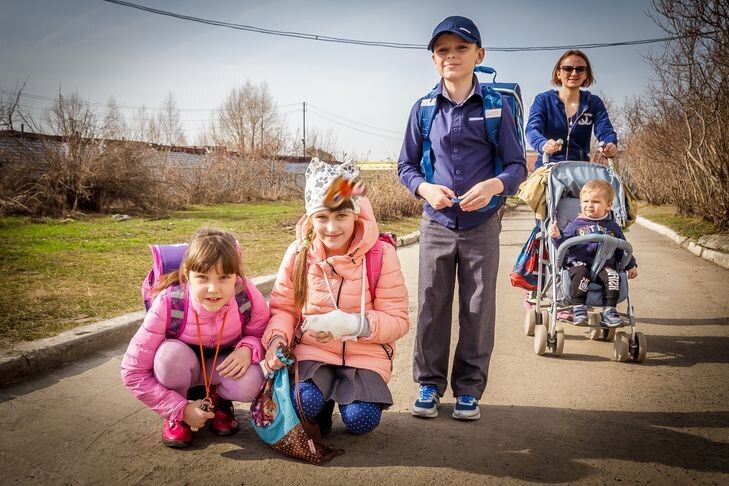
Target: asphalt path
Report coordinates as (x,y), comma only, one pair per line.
(579,418)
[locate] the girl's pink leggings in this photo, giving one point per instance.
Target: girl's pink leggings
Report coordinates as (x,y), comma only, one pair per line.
(177,367)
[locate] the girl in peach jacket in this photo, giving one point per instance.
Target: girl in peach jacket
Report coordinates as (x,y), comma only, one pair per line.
(321,302)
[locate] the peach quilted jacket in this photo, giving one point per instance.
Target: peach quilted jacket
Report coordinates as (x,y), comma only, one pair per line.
(387,315)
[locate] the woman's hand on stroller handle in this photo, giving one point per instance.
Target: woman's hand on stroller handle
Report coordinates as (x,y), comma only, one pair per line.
(552,146)
(609,151)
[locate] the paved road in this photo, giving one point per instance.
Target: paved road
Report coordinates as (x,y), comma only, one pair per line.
(580,418)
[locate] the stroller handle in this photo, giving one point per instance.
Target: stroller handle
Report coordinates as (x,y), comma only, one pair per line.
(608,245)
(545,155)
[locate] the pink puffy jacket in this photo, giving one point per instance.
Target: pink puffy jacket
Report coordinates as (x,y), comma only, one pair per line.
(387,315)
(137,363)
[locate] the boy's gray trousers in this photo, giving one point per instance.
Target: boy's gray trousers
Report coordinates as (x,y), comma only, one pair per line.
(471,256)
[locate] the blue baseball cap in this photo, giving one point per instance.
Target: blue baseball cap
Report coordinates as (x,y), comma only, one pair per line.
(461,26)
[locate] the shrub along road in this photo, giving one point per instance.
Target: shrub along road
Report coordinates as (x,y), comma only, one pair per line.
(580,418)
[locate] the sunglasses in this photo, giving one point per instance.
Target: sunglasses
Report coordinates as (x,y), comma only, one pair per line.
(579,69)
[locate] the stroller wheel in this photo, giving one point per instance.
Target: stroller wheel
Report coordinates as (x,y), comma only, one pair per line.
(540,340)
(638,350)
(558,342)
(621,351)
(600,334)
(530,321)
(545,318)
(595,334)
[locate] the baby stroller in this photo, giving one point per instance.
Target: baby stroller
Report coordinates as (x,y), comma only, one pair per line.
(553,294)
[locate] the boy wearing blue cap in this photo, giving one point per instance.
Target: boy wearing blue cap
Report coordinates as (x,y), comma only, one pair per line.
(458,238)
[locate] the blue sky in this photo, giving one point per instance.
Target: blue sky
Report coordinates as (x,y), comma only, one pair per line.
(99,49)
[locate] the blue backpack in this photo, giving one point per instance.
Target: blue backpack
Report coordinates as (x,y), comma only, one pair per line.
(494,95)
(165,259)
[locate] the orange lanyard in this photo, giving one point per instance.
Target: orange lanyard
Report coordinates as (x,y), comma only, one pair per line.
(207,381)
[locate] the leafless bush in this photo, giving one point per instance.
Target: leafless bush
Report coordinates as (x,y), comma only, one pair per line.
(678,150)
(390,199)
(224,178)
(49,177)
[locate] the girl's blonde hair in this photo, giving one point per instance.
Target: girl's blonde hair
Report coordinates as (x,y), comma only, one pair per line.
(589,76)
(300,266)
(207,247)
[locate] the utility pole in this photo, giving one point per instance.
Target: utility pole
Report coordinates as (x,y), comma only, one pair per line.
(303,140)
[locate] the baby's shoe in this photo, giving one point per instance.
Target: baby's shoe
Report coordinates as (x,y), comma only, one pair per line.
(611,318)
(224,422)
(176,433)
(579,314)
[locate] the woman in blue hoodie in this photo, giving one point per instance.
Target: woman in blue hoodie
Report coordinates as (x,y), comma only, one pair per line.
(570,114)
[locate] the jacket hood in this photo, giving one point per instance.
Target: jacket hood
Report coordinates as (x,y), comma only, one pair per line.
(366,233)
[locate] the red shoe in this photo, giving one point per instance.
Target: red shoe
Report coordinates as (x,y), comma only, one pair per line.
(176,433)
(224,422)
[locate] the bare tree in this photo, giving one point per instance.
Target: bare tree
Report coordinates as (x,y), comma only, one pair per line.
(113,124)
(10,111)
(72,164)
(249,121)
(168,123)
(321,144)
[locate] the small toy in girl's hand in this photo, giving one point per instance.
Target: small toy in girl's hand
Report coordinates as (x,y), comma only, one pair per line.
(342,189)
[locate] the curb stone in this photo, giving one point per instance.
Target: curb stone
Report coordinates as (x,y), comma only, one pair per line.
(713,256)
(32,357)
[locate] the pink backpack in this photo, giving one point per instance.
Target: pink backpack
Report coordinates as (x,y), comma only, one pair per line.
(165,259)
(373,258)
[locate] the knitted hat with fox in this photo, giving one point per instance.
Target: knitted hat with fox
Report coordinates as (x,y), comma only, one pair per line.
(319,176)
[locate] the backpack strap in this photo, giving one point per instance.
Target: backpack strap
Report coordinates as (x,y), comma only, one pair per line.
(176,310)
(492,104)
(373,260)
(243,301)
(426,112)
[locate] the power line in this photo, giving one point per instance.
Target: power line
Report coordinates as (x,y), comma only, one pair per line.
(316,108)
(122,107)
(393,45)
(355,128)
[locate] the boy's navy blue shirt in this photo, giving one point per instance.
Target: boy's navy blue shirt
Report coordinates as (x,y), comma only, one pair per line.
(548,120)
(461,155)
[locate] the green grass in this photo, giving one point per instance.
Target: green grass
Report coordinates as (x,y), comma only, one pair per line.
(59,275)
(690,226)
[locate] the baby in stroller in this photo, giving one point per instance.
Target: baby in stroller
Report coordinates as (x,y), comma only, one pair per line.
(596,200)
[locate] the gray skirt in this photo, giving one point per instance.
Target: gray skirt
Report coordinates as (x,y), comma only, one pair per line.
(345,384)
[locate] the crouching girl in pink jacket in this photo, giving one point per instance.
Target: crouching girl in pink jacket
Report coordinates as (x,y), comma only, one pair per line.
(321,302)
(212,348)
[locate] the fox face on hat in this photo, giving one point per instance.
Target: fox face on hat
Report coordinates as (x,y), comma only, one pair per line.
(319,176)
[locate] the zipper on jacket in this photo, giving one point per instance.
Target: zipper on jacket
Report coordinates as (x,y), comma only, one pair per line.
(571,127)
(389,352)
(339,294)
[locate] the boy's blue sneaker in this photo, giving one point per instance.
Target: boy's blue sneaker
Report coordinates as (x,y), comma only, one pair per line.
(466,408)
(610,318)
(427,404)
(579,314)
